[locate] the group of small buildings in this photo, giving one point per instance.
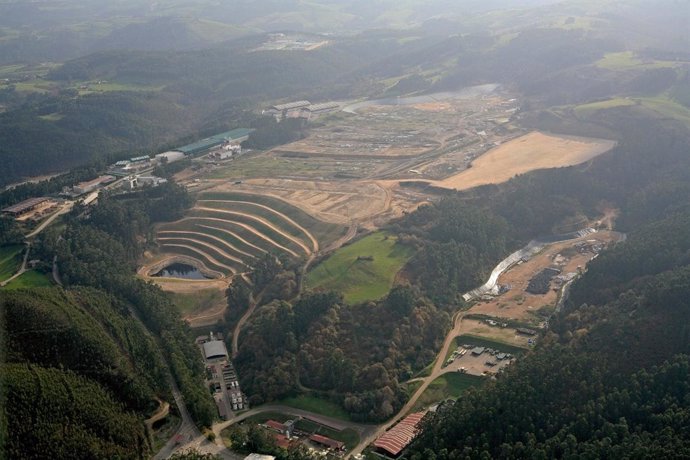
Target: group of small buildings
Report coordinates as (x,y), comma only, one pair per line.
(225,151)
(222,377)
(139,181)
(301,109)
(24,208)
(223,145)
(286,434)
(82,188)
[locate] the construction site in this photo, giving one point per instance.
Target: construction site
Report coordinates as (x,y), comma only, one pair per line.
(350,174)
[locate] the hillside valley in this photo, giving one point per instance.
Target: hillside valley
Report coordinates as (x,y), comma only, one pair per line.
(343,229)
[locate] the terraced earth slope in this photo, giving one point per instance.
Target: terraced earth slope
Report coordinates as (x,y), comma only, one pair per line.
(227,232)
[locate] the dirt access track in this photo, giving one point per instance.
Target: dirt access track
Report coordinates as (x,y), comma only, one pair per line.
(527,153)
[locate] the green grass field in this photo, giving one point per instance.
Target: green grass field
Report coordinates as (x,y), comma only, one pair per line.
(316,405)
(95,87)
(29,279)
(588,109)
(450,385)
(360,280)
(627,60)
(10,259)
(666,108)
(201,300)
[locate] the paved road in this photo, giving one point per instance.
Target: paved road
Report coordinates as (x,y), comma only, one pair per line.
(331,422)
(22,268)
(436,371)
(66,207)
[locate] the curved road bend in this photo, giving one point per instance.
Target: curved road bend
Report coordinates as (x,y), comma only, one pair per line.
(436,371)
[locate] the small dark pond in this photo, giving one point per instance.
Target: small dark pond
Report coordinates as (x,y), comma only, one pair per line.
(178,270)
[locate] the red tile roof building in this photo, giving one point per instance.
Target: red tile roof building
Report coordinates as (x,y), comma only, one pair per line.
(401,435)
(277,426)
(327,442)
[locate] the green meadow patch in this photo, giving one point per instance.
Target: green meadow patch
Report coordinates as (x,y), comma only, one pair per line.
(364,270)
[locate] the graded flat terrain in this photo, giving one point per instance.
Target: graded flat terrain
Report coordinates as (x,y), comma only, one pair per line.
(335,202)
(516,303)
(527,153)
(364,270)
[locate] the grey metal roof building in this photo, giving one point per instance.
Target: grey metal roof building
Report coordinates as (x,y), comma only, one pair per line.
(24,206)
(292,105)
(215,349)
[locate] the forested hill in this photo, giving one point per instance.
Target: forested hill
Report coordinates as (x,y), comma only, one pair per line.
(82,366)
(78,367)
(611,377)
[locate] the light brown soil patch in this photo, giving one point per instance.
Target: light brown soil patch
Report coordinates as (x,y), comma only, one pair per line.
(520,305)
(434,106)
(527,153)
(500,334)
(337,202)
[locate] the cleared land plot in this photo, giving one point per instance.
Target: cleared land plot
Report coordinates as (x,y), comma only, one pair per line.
(364,270)
(500,335)
(10,260)
(333,202)
(527,153)
(449,385)
(516,303)
(288,165)
(202,300)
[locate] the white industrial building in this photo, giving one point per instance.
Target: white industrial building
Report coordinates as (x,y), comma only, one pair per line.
(290,109)
(169,157)
(226,151)
(89,186)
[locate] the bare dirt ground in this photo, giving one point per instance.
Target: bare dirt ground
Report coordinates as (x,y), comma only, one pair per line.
(337,202)
(527,153)
(500,334)
(520,305)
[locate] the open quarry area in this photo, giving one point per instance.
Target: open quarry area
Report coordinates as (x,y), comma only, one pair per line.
(305,199)
(529,290)
(527,153)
